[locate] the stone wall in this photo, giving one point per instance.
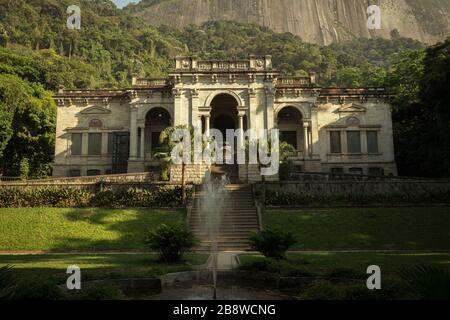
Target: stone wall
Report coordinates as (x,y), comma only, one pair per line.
(195,173)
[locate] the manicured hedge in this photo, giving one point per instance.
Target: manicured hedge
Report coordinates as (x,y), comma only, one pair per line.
(74,197)
(278,198)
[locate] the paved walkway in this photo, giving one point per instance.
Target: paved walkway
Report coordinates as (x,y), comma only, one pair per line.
(224,254)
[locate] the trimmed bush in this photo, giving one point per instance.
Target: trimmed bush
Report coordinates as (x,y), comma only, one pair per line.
(273,243)
(171,241)
(72,197)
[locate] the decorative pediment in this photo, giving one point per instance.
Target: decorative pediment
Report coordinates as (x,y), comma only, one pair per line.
(96,110)
(352,108)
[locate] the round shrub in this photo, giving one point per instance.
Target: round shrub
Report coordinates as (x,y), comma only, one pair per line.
(273,243)
(170,241)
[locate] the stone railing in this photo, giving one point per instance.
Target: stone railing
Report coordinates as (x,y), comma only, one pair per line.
(149,82)
(294,81)
(240,65)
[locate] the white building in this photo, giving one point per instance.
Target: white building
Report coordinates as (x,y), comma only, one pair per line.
(332,129)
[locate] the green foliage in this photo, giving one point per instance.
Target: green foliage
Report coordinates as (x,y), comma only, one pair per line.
(281,267)
(29,114)
(282,198)
(72,197)
(393,289)
(170,241)
(7,283)
(428,282)
(103,290)
(38,289)
(273,243)
(421,116)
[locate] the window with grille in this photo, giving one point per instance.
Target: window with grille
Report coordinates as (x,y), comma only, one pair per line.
(353,142)
(95,144)
(75,149)
(335,142)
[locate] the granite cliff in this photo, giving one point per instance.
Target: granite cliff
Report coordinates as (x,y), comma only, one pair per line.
(315,21)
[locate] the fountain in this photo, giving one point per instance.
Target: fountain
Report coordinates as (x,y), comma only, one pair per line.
(210,213)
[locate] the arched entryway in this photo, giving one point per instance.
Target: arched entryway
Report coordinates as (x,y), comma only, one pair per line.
(290,124)
(224,113)
(156,120)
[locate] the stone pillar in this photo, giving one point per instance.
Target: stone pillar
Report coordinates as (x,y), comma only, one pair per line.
(270,97)
(314,131)
(178,108)
(133,132)
(305,139)
(194,108)
(84,143)
(104,144)
(207,124)
(241,127)
(142,155)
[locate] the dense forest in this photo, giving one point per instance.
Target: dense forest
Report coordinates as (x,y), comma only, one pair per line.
(38,53)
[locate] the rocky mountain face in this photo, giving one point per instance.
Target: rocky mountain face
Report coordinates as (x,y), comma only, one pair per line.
(315,21)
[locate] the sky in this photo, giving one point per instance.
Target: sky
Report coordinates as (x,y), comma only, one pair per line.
(123,3)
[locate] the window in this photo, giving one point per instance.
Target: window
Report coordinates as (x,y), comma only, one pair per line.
(290,137)
(335,141)
(372,142)
(93,172)
(337,170)
(76,144)
(110,143)
(95,144)
(358,171)
(74,173)
(376,172)
(353,142)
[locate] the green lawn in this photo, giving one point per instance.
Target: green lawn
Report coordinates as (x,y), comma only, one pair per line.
(365,228)
(101,266)
(390,263)
(56,229)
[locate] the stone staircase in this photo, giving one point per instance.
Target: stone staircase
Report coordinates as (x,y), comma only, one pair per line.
(239,219)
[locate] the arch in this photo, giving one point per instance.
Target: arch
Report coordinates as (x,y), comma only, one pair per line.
(304,111)
(157,119)
(289,120)
(213,95)
(146,111)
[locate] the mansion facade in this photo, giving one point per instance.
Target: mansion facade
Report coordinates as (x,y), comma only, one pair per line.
(117,131)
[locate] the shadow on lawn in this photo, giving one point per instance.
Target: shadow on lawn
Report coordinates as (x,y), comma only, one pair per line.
(112,229)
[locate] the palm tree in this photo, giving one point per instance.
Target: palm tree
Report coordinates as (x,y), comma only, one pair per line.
(164,153)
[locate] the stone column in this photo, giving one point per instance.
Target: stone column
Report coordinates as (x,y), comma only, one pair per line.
(270,97)
(142,155)
(178,108)
(104,144)
(241,127)
(84,143)
(133,132)
(207,124)
(305,139)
